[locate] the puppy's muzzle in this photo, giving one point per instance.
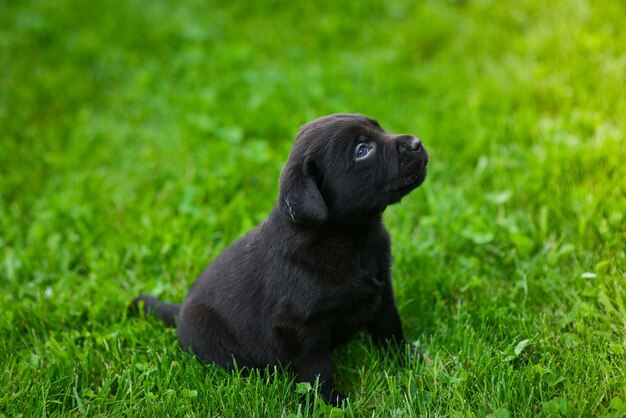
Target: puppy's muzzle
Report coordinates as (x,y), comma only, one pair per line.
(411,152)
(412,162)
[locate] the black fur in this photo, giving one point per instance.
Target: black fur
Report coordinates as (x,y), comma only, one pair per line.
(318,269)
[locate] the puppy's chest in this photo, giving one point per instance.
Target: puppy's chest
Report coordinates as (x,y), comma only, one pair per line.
(350,277)
(355,313)
(356,288)
(339,260)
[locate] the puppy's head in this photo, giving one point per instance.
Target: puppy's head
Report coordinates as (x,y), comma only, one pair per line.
(344,168)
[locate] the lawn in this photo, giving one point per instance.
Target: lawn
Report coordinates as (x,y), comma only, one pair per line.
(138,139)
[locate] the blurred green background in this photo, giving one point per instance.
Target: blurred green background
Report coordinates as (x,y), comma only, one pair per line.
(138,139)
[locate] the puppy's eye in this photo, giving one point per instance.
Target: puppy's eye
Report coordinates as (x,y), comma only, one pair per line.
(361,151)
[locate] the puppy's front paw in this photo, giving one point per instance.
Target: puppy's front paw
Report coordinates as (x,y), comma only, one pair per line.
(337,399)
(410,354)
(413,351)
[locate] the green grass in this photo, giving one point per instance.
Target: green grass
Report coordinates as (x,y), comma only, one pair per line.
(138,139)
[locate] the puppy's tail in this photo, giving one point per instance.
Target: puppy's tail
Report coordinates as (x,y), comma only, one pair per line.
(167,312)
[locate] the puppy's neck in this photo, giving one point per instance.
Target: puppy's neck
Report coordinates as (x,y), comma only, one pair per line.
(353,229)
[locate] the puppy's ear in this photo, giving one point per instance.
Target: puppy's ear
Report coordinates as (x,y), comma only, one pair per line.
(299,196)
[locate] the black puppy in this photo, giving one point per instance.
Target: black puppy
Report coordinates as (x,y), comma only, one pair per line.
(318,269)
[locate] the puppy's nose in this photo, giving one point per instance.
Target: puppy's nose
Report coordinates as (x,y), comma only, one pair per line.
(410,142)
(415,144)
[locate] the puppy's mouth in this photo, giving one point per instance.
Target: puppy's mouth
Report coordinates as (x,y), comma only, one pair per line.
(412,174)
(410,181)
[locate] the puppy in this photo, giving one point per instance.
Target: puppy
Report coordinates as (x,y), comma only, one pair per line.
(317,270)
